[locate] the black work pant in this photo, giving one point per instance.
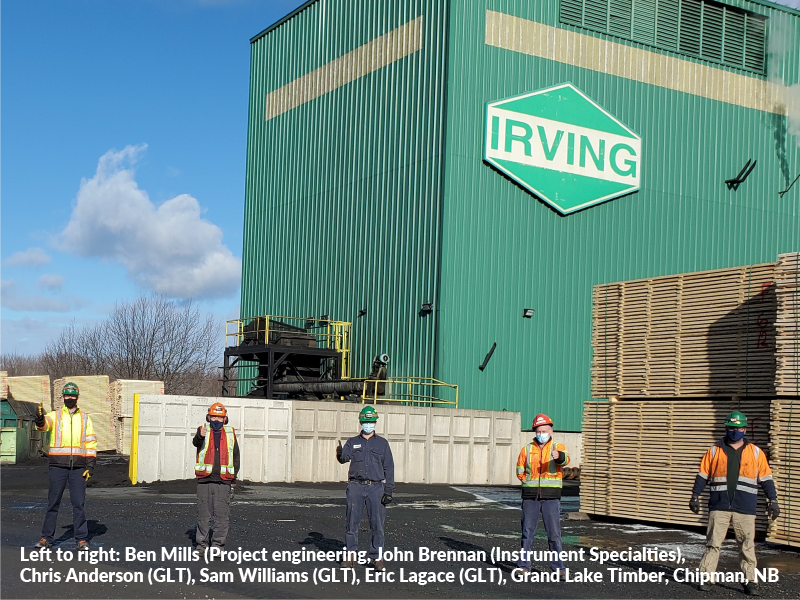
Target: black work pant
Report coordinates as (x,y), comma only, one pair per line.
(59,478)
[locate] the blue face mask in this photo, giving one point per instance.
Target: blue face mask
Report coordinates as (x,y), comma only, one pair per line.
(734,435)
(368,427)
(216,425)
(542,437)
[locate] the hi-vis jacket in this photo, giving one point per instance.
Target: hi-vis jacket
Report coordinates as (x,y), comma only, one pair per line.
(73,443)
(752,470)
(206,454)
(540,474)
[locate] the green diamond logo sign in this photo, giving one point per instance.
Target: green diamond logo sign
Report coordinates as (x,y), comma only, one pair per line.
(564,147)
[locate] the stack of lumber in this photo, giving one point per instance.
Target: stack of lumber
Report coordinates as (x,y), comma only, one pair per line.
(35,388)
(640,458)
(3,385)
(595,458)
(710,333)
(787,343)
(122,391)
(785,462)
(95,401)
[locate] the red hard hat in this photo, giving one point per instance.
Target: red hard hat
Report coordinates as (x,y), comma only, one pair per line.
(217,410)
(541,419)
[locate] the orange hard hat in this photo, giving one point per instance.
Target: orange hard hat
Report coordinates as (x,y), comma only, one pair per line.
(217,410)
(541,419)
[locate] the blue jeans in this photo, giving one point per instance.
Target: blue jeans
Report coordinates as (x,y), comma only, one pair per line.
(550,509)
(359,495)
(59,478)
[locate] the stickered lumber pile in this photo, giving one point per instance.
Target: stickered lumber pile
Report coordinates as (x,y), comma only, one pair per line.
(640,458)
(703,334)
(787,343)
(35,388)
(122,391)
(785,463)
(95,401)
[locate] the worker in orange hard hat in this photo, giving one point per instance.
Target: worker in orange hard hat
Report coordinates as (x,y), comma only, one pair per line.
(539,468)
(216,468)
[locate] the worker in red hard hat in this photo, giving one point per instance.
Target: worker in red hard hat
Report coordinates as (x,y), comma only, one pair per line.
(539,468)
(216,468)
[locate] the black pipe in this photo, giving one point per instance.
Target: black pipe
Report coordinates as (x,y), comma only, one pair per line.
(488,356)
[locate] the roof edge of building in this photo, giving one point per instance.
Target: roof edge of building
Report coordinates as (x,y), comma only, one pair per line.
(282,20)
(775,6)
(305,5)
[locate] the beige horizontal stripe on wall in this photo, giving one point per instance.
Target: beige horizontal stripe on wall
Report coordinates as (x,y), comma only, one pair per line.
(373,55)
(590,52)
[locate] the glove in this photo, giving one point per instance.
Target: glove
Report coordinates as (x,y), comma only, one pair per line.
(339,451)
(387,499)
(39,415)
(773,510)
(694,505)
(86,475)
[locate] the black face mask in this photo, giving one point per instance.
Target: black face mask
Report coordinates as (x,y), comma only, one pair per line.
(70,402)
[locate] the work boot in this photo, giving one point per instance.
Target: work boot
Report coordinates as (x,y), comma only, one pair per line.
(379,565)
(751,589)
(349,563)
(43,543)
(704,587)
(83,545)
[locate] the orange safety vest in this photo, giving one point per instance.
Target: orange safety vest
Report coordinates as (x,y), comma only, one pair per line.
(536,467)
(753,471)
(204,466)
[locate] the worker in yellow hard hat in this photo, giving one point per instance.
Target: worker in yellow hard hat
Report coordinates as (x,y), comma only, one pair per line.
(72,457)
(216,468)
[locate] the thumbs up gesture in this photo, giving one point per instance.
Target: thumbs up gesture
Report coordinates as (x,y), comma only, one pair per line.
(40,410)
(554,453)
(339,450)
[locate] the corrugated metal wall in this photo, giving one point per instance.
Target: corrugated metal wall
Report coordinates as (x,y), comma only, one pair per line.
(344,173)
(350,197)
(503,250)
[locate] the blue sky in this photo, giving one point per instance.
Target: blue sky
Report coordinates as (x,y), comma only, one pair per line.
(124,127)
(138,108)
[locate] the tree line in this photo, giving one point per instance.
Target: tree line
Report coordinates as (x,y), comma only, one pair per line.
(150,338)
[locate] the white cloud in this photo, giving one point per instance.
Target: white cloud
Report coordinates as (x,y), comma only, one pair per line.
(50,281)
(32,257)
(169,249)
(13,300)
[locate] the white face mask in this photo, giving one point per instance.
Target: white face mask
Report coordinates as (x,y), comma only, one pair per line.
(368,427)
(542,437)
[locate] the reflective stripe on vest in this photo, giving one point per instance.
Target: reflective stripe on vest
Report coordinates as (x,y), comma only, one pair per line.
(61,445)
(203,468)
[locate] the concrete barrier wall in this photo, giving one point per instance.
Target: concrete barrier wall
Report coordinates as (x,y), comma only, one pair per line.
(296,440)
(167,425)
(429,445)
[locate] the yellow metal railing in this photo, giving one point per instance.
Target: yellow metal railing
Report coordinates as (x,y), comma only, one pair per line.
(325,333)
(410,390)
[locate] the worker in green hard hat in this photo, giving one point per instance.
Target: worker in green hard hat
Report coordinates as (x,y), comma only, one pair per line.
(72,457)
(734,467)
(370,484)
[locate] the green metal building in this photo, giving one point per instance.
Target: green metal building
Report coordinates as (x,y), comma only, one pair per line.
(376,177)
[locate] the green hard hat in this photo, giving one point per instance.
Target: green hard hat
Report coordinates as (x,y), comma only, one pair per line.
(70,389)
(368,415)
(736,419)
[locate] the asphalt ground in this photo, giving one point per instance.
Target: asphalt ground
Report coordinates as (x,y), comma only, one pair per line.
(290,517)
